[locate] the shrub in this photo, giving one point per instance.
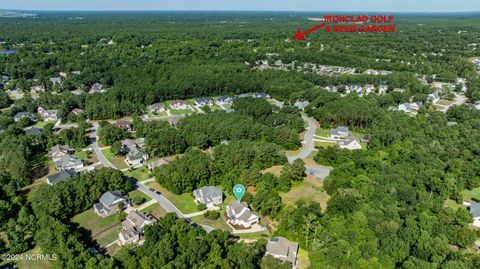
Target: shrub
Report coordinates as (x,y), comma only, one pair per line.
(136,200)
(201,207)
(213,215)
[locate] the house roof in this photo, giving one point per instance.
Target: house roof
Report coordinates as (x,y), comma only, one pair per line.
(123,124)
(33,131)
(239,211)
(339,129)
(157,163)
(347,141)
(207,193)
(56,79)
(475,210)
(59,148)
(224,98)
(20,115)
(177,102)
(279,246)
(203,100)
(60,176)
(109,198)
(135,154)
(97,86)
(67,161)
(135,220)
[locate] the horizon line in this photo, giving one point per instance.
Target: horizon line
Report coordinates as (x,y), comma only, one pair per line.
(233,10)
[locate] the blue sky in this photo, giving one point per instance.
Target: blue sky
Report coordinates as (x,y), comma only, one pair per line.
(303,5)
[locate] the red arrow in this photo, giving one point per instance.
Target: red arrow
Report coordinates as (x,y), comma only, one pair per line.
(301,35)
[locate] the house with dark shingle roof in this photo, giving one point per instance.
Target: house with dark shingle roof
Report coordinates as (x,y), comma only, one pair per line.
(111,202)
(157,163)
(136,157)
(240,216)
(56,80)
(282,249)
(201,102)
(340,132)
(208,195)
(97,88)
(224,100)
(60,176)
(32,131)
(68,162)
(21,115)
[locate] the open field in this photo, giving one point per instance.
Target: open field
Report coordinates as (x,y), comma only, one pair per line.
(103,230)
(37,264)
(323,144)
(140,173)
(310,189)
(156,210)
(302,258)
(218,224)
(117,161)
(183,202)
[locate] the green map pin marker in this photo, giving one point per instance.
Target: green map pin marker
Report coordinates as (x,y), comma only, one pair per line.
(239,191)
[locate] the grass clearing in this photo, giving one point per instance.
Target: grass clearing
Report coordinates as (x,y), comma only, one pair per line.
(117,161)
(310,189)
(184,202)
(322,132)
(254,236)
(41,124)
(303,260)
(324,144)
(276,170)
(452,204)
(140,173)
(134,193)
(103,230)
(218,224)
(34,264)
(469,194)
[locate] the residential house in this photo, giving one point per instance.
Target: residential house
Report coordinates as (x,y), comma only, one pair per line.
(369,88)
(76,111)
(68,162)
(261,95)
(350,143)
(157,108)
(201,102)
(128,144)
(60,176)
(239,215)
(179,104)
(21,115)
(399,90)
(5,78)
(451,123)
(282,249)
(301,104)
(111,202)
(382,89)
(157,163)
(124,125)
(97,88)
(224,100)
(56,80)
(48,115)
(37,89)
(476,105)
(340,132)
(133,227)
(136,157)
(408,107)
(208,195)
(58,151)
(433,97)
(475,211)
(32,131)
(331,88)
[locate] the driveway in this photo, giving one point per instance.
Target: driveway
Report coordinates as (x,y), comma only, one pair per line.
(318,171)
(308,143)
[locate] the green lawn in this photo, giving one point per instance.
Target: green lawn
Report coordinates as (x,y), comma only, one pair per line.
(452,204)
(254,236)
(139,193)
(37,264)
(322,132)
(184,202)
(80,154)
(180,111)
(103,230)
(322,144)
(41,124)
(303,259)
(218,224)
(140,173)
(469,194)
(310,189)
(156,210)
(117,161)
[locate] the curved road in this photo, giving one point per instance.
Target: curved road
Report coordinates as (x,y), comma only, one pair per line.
(308,143)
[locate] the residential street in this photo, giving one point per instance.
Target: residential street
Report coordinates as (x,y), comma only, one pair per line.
(94,137)
(308,143)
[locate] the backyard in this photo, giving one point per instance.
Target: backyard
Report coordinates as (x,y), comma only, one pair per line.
(103,230)
(310,189)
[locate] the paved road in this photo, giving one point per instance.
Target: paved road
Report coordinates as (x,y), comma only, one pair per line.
(308,143)
(94,137)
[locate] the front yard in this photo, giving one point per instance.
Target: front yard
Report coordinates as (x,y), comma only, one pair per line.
(184,202)
(117,161)
(134,193)
(140,173)
(218,224)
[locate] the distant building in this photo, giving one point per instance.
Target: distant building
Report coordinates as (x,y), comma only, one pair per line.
(136,157)
(133,227)
(48,115)
(68,162)
(201,102)
(224,100)
(433,97)
(340,132)
(76,111)
(350,143)
(157,108)
(282,249)
(124,125)
(301,104)
(21,115)
(261,95)
(32,131)
(475,211)
(5,78)
(58,151)
(97,88)
(56,80)
(239,215)
(382,89)
(179,104)
(60,176)
(37,89)
(408,107)
(208,195)
(476,105)
(157,163)
(111,202)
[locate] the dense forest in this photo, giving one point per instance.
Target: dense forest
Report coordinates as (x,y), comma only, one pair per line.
(387,202)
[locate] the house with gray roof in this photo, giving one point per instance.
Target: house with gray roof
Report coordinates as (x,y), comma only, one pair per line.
(136,157)
(240,216)
(133,227)
(301,104)
(37,89)
(475,211)
(58,151)
(21,115)
(157,163)
(97,88)
(340,132)
(157,108)
(350,143)
(5,78)
(111,202)
(60,176)
(476,105)
(56,80)
(208,195)
(201,102)
(261,95)
(48,115)
(32,131)
(224,100)
(282,249)
(68,162)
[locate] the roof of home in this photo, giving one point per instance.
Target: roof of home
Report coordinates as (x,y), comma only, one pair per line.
(203,100)
(159,162)
(33,131)
(108,198)
(475,210)
(68,160)
(339,129)
(279,246)
(20,115)
(177,102)
(135,220)
(135,154)
(207,193)
(239,211)
(59,148)
(347,141)
(60,176)
(224,98)
(56,79)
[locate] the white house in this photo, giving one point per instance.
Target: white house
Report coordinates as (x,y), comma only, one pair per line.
(133,227)
(475,211)
(68,162)
(179,104)
(201,102)
(239,215)
(157,108)
(208,195)
(48,115)
(340,132)
(382,89)
(224,100)
(433,97)
(282,249)
(476,105)
(350,143)
(136,157)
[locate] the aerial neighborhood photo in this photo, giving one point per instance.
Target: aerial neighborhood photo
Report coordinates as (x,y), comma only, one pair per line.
(210,134)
